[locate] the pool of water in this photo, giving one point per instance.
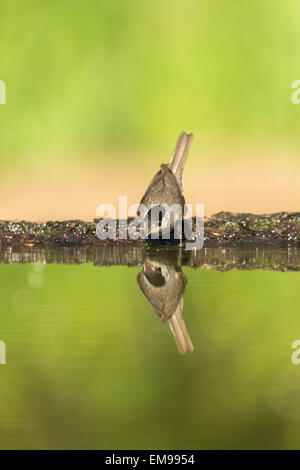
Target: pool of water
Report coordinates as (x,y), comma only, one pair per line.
(89,363)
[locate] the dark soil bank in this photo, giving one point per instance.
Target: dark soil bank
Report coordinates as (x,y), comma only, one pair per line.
(222,229)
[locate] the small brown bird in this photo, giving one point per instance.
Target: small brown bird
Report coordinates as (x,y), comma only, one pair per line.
(163,283)
(166,186)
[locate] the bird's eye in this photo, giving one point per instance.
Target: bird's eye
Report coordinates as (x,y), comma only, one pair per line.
(158,270)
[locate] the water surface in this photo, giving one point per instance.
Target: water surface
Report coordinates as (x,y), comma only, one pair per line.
(90,365)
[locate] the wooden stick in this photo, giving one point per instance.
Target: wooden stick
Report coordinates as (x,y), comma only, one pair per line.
(179,156)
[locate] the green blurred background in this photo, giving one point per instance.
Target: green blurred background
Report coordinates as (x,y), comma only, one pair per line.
(108,83)
(112,74)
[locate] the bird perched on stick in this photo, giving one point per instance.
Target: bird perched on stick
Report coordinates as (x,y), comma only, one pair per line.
(166,187)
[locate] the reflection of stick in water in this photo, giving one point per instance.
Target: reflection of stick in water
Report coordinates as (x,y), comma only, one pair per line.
(163,284)
(178,328)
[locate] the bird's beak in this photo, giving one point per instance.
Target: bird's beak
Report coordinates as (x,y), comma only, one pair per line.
(148,266)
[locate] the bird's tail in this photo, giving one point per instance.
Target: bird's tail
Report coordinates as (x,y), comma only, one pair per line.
(178,328)
(179,155)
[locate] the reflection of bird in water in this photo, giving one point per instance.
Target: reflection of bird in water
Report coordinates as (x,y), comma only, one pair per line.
(163,283)
(166,186)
